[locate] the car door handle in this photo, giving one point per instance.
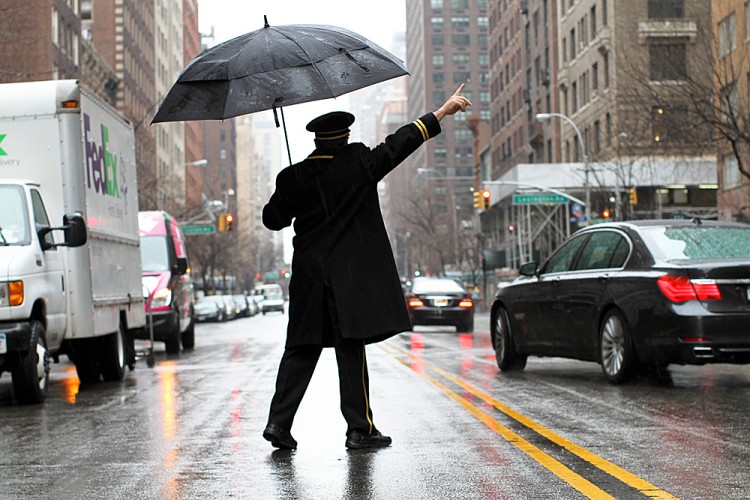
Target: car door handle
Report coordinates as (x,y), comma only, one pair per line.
(603,277)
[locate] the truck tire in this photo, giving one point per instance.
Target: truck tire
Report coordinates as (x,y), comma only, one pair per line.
(85,357)
(31,374)
(113,355)
(188,336)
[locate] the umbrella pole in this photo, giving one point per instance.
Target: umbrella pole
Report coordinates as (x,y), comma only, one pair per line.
(283,122)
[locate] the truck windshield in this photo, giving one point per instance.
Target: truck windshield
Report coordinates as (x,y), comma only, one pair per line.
(14,225)
(154,253)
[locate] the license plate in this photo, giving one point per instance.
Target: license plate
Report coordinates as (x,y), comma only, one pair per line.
(3,344)
(441,302)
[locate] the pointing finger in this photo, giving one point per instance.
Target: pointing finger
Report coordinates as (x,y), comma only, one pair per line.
(460,88)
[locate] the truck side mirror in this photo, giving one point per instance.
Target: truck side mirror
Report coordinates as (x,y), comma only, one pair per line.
(182,265)
(74,228)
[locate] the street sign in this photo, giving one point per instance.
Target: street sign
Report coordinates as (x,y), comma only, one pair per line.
(198,229)
(539,199)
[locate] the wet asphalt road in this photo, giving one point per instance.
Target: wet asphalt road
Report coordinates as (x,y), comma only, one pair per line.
(190,427)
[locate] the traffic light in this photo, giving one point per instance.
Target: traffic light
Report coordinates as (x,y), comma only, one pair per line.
(485,199)
(606,213)
(477,199)
(633,194)
(228,221)
(222,222)
(511,228)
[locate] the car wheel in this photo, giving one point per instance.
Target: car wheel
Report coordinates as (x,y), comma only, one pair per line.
(172,338)
(112,355)
(31,375)
(86,358)
(616,348)
(505,351)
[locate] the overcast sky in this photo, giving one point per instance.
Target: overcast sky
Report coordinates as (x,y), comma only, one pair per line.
(376,20)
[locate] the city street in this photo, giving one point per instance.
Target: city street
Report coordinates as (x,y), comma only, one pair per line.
(190,427)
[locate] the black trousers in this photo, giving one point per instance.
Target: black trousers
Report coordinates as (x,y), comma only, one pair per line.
(297,367)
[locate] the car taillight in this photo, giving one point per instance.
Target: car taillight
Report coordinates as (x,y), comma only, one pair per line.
(416,302)
(467,303)
(682,288)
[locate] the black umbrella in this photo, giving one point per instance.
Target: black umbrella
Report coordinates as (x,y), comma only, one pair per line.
(275,67)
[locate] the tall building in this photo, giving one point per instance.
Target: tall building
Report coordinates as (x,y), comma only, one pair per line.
(40,40)
(123,33)
(731,29)
(589,98)
(170,137)
(191,41)
(446,45)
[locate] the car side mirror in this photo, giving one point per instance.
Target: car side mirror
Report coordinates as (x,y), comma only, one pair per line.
(528,269)
(182,265)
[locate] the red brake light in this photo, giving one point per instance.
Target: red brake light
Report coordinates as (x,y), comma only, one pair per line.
(682,289)
(415,302)
(466,303)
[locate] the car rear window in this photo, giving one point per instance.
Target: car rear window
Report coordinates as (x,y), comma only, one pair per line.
(435,285)
(695,242)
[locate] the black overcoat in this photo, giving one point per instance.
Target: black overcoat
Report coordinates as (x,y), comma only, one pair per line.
(340,240)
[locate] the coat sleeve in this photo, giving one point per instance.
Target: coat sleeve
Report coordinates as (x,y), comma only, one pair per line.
(400,144)
(276,215)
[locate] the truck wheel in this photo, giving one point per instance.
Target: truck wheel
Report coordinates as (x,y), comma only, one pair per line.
(31,375)
(112,355)
(188,336)
(85,357)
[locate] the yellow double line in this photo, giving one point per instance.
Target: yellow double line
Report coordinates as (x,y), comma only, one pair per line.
(577,481)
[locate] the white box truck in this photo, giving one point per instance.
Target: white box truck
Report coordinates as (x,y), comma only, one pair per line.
(75,289)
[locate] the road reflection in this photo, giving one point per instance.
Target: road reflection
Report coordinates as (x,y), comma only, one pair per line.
(169,427)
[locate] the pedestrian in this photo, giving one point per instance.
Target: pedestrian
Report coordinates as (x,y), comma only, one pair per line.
(345,290)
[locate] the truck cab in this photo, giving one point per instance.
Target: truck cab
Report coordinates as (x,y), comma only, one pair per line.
(33,302)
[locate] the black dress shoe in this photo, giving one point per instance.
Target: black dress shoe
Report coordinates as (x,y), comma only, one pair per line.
(356,440)
(279,437)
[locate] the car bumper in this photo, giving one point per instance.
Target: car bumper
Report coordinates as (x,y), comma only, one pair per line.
(165,324)
(440,315)
(690,335)
(14,337)
(206,317)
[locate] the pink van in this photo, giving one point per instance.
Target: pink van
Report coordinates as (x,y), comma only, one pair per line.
(166,275)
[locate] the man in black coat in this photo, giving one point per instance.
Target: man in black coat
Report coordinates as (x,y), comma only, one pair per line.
(345,290)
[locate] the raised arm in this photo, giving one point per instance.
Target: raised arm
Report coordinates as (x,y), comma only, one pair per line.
(453,105)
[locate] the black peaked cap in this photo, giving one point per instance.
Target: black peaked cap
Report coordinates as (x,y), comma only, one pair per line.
(330,126)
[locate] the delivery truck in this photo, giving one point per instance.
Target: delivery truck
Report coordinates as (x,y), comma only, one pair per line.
(70,264)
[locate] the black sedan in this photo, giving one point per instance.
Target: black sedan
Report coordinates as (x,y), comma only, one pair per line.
(440,301)
(631,295)
(206,310)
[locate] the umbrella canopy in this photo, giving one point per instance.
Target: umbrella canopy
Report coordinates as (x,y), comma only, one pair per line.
(274,67)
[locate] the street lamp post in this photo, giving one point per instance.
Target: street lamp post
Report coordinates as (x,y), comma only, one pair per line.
(452,195)
(587,186)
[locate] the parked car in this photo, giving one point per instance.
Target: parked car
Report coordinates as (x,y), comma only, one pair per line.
(440,301)
(228,307)
(630,295)
(243,305)
(208,310)
(273,298)
(254,306)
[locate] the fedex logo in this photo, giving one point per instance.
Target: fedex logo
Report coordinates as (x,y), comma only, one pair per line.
(101,164)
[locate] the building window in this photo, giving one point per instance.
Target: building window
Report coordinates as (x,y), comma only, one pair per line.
(437,23)
(438,40)
(438,60)
(727,35)
(595,77)
(459,4)
(593,22)
(461,59)
(436,4)
(462,134)
(747,21)
(438,78)
(441,153)
(730,173)
(666,9)
(461,77)
(461,40)
(668,62)
(482,22)
(460,22)
(605,69)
